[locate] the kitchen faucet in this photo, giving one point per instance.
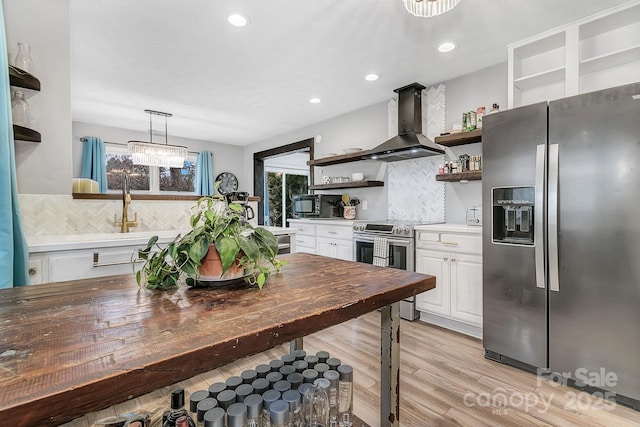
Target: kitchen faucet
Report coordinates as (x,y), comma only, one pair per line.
(126,200)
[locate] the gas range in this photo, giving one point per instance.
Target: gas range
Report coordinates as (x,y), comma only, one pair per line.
(397,228)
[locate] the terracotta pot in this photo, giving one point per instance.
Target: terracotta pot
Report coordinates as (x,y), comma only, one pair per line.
(211,268)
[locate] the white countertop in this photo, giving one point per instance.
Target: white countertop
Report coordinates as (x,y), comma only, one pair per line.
(455,228)
(69,242)
(324,221)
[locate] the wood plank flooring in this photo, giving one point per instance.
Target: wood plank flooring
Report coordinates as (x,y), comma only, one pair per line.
(445,381)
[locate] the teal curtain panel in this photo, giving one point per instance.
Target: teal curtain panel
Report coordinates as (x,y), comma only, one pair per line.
(93,162)
(14,253)
(204,174)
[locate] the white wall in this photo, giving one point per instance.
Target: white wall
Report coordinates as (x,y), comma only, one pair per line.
(482,88)
(364,128)
(367,127)
(44,168)
(226,158)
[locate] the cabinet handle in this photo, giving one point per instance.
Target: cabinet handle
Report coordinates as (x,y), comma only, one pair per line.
(33,271)
(446,259)
(96,261)
(332,232)
(453,260)
(449,243)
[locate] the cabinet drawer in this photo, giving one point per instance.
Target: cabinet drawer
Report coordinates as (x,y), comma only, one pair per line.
(305,242)
(37,270)
(335,231)
(462,242)
(451,242)
(305,229)
(73,265)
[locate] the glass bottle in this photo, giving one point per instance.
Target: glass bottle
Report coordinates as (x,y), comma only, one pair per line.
(345,396)
(315,407)
(23,58)
(195,398)
(204,406)
(268,398)
(334,380)
(237,415)
(214,418)
(20,109)
(254,404)
(292,397)
(279,414)
(177,409)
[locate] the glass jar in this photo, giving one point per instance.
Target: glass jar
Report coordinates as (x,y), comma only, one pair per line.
(315,407)
(20,109)
(23,58)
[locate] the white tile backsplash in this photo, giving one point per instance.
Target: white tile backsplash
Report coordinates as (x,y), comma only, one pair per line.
(414,193)
(52,214)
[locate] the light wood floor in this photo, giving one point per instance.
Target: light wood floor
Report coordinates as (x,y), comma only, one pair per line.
(445,380)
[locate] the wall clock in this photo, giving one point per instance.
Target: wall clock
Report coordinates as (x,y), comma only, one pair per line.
(228,183)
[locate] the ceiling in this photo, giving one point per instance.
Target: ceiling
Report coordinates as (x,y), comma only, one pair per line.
(243,85)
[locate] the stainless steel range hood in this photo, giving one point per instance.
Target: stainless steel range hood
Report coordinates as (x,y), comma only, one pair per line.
(410,142)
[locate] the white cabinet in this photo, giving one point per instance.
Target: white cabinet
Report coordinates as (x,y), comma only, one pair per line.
(88,263)
(38,269)
(453,255)
(332,238)
(597,52)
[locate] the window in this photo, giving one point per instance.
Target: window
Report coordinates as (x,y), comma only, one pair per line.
(148,179)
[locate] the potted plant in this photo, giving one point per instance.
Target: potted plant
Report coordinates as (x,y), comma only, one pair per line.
(218,230)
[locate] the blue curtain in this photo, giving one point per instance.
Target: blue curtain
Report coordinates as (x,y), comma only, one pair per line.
(14,253)
(93,163)
(204,174)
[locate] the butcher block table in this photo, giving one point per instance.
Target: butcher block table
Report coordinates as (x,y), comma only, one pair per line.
(70,348)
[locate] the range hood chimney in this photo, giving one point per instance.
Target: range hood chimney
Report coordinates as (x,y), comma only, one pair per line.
(410,143)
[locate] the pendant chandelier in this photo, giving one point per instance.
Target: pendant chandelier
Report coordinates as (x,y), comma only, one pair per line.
(150,154)
(429,8)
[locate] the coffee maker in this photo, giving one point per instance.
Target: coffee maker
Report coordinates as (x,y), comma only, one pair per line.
(242,198)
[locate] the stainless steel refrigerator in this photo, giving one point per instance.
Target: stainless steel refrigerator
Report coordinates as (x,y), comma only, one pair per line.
(561,247)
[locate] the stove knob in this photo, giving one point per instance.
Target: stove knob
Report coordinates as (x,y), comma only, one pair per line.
(406,230)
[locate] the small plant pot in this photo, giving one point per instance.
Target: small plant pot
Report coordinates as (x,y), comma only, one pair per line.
(211,268)
(349,212)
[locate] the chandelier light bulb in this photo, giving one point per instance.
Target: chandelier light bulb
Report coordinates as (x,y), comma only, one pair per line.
(429,8)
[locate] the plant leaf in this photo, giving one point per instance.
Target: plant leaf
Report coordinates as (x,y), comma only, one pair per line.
(228,249)
(249,246)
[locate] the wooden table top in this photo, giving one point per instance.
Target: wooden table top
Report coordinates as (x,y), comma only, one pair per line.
(70,348)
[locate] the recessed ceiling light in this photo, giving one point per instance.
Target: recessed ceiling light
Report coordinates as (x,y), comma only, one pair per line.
(315,100)
(371,77)
(237,20)
(446,47)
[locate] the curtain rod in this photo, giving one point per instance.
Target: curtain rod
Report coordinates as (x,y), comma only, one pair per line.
(83,139)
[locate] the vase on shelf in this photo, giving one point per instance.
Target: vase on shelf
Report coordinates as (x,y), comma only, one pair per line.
(20,109)
(23,58)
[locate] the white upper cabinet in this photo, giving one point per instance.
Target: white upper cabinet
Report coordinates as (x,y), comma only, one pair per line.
(600,51)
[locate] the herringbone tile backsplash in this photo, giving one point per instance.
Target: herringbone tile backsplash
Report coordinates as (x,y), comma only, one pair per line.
(50,214)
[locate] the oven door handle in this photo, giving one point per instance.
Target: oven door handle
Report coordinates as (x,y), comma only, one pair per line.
(391,241)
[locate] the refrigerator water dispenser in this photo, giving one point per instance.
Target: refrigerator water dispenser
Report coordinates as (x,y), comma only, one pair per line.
(512,221)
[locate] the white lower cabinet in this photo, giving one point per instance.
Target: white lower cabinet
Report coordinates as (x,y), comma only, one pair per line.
(332,238)
(340,249)
(455,260)
(84,264)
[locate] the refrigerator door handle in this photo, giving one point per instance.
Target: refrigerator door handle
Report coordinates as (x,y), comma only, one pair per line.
(554,282)
(538,231)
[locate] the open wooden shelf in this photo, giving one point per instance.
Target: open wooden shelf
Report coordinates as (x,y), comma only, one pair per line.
(20,78)
(351,184)
(461,176)
(460,138)
(341,158)
(22,133)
